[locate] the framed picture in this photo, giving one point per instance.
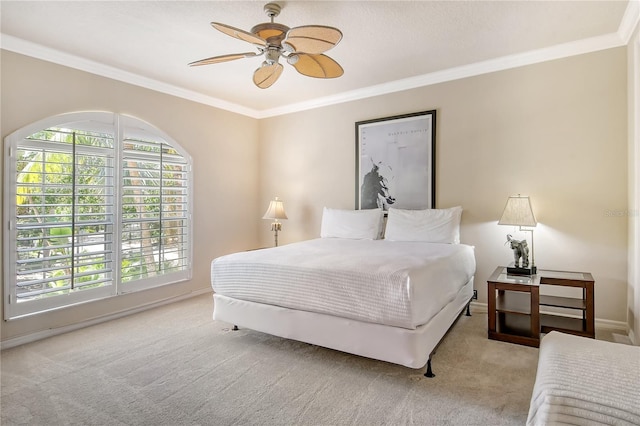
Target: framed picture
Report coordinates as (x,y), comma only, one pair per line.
(395,162)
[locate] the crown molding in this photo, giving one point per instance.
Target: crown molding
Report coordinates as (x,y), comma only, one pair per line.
(629,21)
(499,64)
(48,54)
(627,26)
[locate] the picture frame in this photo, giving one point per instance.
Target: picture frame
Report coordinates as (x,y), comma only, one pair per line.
(395,162)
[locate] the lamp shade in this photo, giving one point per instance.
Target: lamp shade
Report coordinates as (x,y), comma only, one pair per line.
(518,212)
(275,210)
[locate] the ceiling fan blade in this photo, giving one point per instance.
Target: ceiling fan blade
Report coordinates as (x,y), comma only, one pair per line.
(239,34)
(313,39)
(319,66)
(266,75)
(223,58)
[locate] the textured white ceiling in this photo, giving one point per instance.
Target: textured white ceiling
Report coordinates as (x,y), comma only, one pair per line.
(383,42)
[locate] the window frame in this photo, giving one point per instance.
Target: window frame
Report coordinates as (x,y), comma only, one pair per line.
(120,126)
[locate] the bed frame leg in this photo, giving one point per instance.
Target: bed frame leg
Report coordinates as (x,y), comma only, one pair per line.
(235,328)
(429,372)
(468,311)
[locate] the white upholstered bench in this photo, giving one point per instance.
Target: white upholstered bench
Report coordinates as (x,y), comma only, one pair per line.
(582,381)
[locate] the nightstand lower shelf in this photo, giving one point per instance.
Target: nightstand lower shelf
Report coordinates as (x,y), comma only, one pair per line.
(514,328)
(568,325)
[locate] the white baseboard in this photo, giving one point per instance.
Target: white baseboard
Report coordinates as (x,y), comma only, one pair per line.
(32,337)
(599,322)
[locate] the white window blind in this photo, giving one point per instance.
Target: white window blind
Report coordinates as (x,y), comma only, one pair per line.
(154,210)
(92,214)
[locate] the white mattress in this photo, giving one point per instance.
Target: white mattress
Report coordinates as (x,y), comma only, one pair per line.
(401,284)
(582,381)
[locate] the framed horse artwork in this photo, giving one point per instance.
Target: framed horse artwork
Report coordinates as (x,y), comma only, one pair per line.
(395,162)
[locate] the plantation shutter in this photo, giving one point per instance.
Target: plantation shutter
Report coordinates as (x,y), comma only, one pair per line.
(154,210)
(96,204)
(65,212)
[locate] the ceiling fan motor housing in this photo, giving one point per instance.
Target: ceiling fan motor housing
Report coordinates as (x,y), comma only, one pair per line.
(271,32)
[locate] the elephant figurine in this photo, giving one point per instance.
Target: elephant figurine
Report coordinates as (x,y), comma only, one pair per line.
(520,251)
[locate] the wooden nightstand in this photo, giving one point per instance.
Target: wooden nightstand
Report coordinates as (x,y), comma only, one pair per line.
(514,306)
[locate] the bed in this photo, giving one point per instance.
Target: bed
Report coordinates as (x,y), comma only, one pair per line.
(582,381)
(390,299)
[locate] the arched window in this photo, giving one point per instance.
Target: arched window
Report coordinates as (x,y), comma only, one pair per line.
(98,204)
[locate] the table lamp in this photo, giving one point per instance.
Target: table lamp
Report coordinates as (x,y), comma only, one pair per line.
(518,212)
(275,212)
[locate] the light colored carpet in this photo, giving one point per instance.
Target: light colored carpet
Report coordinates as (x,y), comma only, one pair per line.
(174,365)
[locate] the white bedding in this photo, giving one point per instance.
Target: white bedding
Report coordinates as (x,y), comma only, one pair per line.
(401,284)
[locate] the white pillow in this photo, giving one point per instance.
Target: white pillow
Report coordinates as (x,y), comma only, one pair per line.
(353,224)
(432,225)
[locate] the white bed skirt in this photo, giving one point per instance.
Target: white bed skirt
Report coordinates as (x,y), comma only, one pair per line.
(410,348)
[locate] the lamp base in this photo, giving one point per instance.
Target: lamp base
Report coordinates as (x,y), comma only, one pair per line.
(516,270)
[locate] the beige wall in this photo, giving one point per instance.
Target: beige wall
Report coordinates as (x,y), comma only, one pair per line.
(556,131)
(223,146)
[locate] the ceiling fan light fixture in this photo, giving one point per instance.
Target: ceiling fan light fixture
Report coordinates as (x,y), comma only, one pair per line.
(287,47)
(293,59)
(272,55)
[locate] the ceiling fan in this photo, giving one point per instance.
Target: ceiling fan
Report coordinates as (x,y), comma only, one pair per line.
(303,47)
